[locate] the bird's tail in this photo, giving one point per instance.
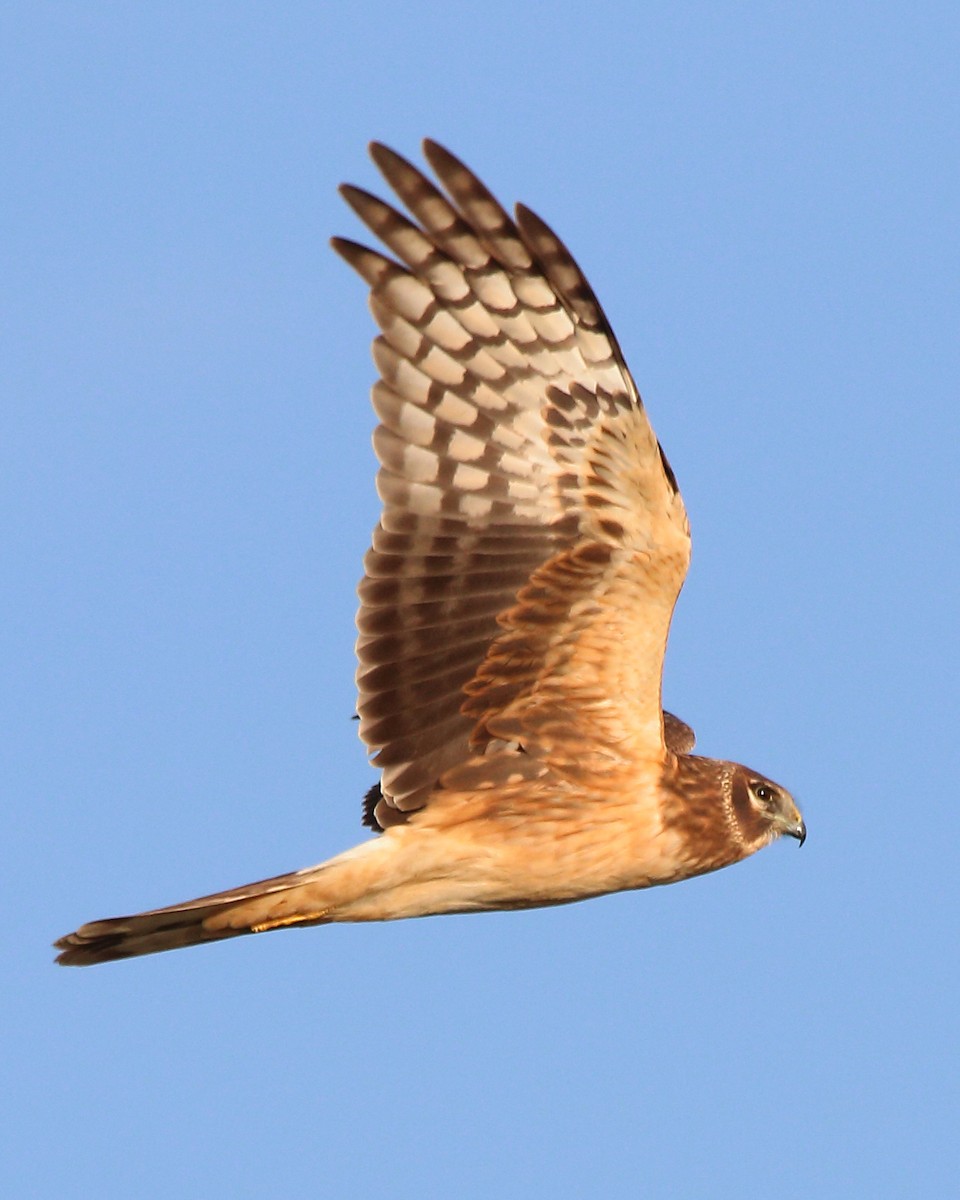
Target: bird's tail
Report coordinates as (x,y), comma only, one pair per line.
(313,896)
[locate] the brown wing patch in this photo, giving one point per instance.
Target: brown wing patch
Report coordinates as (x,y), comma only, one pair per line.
(575,675)
(517,692)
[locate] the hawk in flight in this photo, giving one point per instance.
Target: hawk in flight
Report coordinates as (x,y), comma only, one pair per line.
(514,607)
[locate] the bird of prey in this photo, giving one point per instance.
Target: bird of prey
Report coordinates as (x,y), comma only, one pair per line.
(514,607)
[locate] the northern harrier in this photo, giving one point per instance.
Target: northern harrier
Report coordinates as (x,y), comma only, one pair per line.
(514,607)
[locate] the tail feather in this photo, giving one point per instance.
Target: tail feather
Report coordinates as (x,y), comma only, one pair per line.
(283,900)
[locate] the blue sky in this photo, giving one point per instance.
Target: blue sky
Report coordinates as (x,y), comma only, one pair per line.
(765,198)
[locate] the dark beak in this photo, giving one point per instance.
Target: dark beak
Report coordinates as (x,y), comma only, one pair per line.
(798,831)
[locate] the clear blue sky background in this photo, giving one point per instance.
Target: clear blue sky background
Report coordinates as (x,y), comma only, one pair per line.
(765,196)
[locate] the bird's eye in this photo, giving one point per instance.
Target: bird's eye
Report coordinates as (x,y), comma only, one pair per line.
(763,792)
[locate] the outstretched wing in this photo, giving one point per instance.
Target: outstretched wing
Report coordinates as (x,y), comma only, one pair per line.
(533,541)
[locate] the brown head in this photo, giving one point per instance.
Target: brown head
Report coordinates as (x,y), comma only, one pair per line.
(724,811)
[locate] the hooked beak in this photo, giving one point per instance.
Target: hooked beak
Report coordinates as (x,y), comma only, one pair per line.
(791,822)
(794,827)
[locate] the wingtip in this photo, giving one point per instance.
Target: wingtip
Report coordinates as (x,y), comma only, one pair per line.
(439,157)
(386,159)
(347,249)
(357,198)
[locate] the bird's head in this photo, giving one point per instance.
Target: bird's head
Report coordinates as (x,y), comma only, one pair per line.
(762,809)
